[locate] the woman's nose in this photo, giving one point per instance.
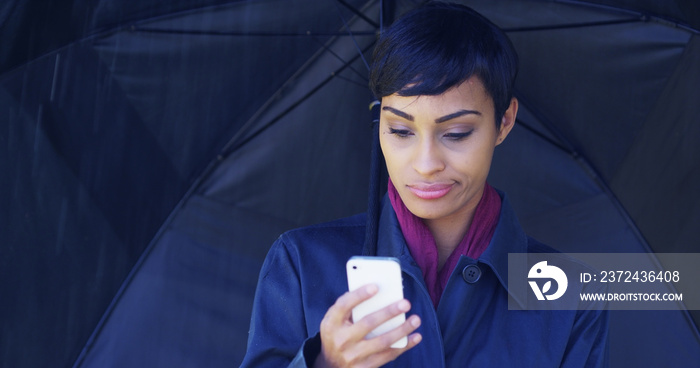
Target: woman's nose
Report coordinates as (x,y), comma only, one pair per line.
(428,159)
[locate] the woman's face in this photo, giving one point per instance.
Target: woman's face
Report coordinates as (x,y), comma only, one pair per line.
(438,149)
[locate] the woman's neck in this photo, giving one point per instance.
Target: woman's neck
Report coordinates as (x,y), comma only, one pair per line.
(449,231)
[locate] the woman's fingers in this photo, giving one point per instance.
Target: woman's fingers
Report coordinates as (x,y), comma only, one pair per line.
(377,351)
(344,343)
(336,328)
(386,340)
(373,320)
(388,355)
(340,312)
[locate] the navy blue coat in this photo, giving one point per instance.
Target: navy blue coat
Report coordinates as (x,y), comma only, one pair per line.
(304,274)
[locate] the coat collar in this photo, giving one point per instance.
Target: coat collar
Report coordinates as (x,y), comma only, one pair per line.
(509,237)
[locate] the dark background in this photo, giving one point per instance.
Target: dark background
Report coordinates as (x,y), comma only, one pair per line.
(152,151)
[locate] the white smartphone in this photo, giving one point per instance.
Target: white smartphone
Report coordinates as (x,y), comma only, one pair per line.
(385,272)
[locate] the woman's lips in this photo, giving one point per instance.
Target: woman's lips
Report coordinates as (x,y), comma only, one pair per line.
(430,191)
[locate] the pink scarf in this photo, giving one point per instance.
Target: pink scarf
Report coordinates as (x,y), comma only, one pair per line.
(422,245)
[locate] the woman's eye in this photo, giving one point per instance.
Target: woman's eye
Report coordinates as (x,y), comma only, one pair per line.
(402,133)
(457,136)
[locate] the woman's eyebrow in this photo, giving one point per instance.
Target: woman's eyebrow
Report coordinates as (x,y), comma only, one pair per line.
(439,120)
(456,115)
(400,113)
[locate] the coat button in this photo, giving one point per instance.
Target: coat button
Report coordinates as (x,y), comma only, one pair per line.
(471,273)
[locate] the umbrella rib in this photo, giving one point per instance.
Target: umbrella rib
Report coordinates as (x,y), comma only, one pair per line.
(233,146)
(195,32)
(359,14)
(644,16)
(549,140)
(350,80)
(574,25)
(323,45)
(563,143)
(352,37)
(381,17)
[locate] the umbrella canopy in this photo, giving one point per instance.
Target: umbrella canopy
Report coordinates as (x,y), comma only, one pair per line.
(155,150)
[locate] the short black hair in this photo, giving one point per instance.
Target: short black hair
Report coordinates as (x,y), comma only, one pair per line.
(438,46)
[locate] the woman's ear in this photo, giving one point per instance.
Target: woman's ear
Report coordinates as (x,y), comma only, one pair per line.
(507,121)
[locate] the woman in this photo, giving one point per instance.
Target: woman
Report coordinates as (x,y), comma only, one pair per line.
(444,75)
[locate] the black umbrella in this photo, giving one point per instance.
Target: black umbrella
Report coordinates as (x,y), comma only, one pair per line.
(156,150)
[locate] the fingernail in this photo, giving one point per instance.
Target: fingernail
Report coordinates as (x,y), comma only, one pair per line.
(415,321)
(404,305)
(372,288)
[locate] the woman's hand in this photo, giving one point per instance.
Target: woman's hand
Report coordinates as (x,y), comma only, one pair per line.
(343,342)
